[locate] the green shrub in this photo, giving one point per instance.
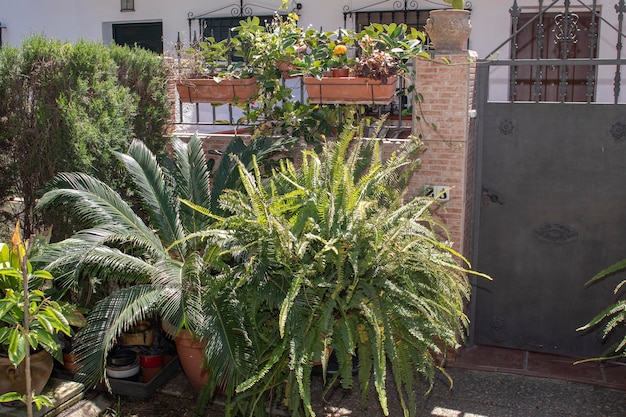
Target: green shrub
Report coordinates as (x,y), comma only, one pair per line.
(66,107)
(145,74)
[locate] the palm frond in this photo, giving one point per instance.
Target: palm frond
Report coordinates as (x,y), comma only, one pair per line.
(106,321)
(95,204)
(193,181)
(162,207)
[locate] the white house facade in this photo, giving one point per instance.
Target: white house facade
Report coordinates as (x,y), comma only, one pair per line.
(167,22)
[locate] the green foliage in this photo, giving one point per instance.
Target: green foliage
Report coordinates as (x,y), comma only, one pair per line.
(145,75)
(38,400)
(329,254)
(29,318)
(613,318)
(46,317)
(67,107)
(154,253)
(456,4)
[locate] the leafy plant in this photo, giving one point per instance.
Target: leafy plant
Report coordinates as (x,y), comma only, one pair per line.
(162,265)
(613,317)
(330,255)
(456,4)
(29,318)
(232,57)
(75,104)
(379,65)
(391,43)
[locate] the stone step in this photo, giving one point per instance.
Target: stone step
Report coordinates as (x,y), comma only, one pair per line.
(65,395)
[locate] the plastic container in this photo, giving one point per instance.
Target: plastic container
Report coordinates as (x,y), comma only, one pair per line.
(151,364)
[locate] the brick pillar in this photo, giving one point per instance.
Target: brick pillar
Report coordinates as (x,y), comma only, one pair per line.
(448,98)
(171,92)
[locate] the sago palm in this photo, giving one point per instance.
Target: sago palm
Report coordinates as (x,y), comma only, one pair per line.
(152,253)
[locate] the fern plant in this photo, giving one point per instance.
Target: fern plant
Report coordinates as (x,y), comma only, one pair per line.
(613,318)
(331,255)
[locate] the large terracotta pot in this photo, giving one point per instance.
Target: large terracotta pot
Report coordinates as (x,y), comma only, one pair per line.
(449,29)
(350,90)
(208,90)
(190,352)
(14,379)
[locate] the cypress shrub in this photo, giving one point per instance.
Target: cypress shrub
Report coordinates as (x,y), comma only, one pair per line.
(67,107)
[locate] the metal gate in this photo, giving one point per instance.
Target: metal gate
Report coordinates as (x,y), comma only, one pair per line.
(551,200)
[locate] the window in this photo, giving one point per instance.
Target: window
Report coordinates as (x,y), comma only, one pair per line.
(147,35)
(127,6)
(412,18)
(219,27)
(578,46)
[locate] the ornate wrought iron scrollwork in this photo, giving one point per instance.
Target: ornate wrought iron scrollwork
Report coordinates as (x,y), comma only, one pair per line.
(566,29)
(405,5)
(241,10)
(555,233)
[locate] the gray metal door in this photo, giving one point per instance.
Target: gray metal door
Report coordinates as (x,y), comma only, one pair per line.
(552,214)
(551,197)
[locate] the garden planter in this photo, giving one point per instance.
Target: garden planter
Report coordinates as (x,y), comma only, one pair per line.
(285,68)
(151,364)
(69,360)
(350,90)
(208,90)
(340,72)
(140,335)
(190,352)
(449,29)
(14,379)
(191,355)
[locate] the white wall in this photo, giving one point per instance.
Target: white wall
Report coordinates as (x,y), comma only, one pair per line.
(74,19)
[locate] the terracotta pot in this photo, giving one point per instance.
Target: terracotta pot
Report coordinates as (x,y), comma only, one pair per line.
(191,354)
(285,68)
(14,379)
(69,361)
(350,90)
(208,90)
(340,72)
(449,29)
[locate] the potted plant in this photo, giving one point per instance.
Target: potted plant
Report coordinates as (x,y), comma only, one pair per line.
(283,44)
(28,336)
(385,51)
(220,71)
(449,29)
(153,251)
